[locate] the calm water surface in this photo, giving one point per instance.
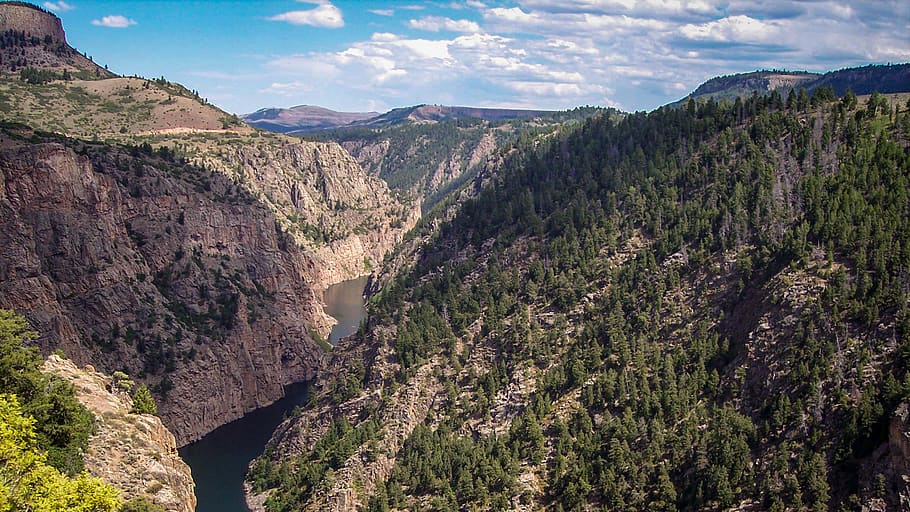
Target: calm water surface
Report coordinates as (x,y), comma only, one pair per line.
(219,460)
(344,302)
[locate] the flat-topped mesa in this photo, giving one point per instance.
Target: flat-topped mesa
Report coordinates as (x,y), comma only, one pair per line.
(33,42)
(32,20)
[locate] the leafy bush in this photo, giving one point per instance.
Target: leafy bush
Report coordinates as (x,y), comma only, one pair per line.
(62,424)
(28,482)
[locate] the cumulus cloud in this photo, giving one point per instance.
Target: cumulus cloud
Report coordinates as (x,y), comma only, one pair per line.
(437,23)
(114,21)
(558,89)
(294,88)
(60,6)
(735,29)
(324,15)
(562,53)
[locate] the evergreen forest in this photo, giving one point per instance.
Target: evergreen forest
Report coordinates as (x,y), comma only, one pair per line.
(695,308)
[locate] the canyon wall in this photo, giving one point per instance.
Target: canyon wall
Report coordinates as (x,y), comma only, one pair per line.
(133,260)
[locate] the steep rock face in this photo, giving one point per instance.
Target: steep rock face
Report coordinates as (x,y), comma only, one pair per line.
(42,43)
(133,452)
(204,281)
(32,20)
(346,219)
(166,271)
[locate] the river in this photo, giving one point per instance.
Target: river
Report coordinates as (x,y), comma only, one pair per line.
(219,460)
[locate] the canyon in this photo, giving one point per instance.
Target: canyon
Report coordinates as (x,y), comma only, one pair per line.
(699,307)
(200,273)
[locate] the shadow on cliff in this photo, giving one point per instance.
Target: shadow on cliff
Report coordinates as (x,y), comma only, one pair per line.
(132,259)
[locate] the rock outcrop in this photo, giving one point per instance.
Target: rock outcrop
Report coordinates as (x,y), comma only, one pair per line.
(133,452)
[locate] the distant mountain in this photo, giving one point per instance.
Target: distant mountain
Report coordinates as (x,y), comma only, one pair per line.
(423,113)
(306,119)
(890,78)
(867,79)
(303,118)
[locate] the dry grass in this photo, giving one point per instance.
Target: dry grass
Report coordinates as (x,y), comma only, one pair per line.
(112,109)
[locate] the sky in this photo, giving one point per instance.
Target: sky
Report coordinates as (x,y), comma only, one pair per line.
(348,55)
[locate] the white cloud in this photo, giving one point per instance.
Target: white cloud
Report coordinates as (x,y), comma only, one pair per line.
(114,21)
(562,53)
(223,76)
(558,89)
(60,6)
(575,24)
(384,36)
(437,23)
(303,65)
(383,12)
(294,88)
(324,15)
(740,29)
(637,8)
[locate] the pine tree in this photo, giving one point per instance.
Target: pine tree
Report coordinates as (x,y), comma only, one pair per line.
(143,403)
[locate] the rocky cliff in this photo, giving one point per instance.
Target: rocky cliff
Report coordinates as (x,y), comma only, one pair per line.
(169,272)
(345,219)
(33,37)
(32,20)
(194,259)
(133,452)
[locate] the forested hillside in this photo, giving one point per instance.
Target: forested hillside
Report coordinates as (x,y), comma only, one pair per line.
(890,78)
(690,309)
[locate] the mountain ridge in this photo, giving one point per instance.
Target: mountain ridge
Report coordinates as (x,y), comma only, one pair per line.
(303,118)
(881,78)
(665,311)
(310,118)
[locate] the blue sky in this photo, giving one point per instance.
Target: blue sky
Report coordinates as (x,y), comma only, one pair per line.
(554,54)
